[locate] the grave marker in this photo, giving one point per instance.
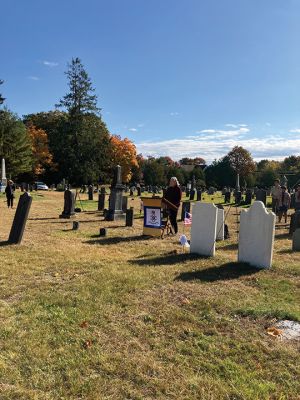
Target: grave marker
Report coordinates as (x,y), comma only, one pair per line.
(20,219)
(203,231)
(256,238)
(69,204)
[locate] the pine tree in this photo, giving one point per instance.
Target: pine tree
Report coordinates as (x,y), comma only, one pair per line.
(1,98)
(80,99)
(15,144)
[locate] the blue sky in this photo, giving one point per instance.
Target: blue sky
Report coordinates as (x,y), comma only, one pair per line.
(178,77)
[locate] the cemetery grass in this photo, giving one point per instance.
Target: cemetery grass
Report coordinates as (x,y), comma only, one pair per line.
(126,317)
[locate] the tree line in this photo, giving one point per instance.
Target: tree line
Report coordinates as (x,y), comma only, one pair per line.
(73,142)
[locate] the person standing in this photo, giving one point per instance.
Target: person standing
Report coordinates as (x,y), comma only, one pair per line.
(173,195)
(276,194)
(9,191)
(284,204)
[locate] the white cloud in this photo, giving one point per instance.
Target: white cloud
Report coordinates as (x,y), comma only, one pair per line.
(232,126)
(33,78)
(174,114)
(296,130)
(132,129)
(243,125)
(220,143)
(141,125)
(268,124)
(50,63)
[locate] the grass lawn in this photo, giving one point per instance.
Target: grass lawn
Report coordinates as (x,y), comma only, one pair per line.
(126,317)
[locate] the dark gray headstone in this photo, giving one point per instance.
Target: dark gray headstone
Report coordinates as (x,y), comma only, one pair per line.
(102,232)
(101,201)
(115,211)
(20,219)
(238,197)
(295,222)
(186,207)
(261,195)
(227,197)
(91,192)
(138,190)
(192,194)
(248,197)
(296,240)
(199,195)
(69,203)
(75,225)
(129,217)
(293,200)
(187,192)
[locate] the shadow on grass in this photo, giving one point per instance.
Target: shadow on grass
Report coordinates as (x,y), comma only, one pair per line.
(282,236)
(117,240)
(286,251)
(167,259)
(5,243)
(228,247)
(222,272)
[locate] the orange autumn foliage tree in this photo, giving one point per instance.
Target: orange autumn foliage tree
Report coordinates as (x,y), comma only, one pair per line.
(40,150)
(124,154)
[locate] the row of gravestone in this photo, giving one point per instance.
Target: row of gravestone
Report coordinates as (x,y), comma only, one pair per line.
(256,237)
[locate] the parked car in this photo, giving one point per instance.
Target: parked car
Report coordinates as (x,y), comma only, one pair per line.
(41,186)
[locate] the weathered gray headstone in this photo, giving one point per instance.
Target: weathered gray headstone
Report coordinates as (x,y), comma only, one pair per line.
(192,194)
(296,240)
(186,208)
(129,216)
(248,197)
(227,197)
(261,195)
(238,197)
(101,201)
(20,219)
(256,238)
(203,231)
(69,204)
(115,211)
(199,195)
(295,222)
(91,192)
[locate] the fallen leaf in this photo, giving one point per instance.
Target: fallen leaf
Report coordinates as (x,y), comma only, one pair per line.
(84,324)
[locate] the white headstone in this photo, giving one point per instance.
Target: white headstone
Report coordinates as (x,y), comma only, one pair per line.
(203,231)
(256,239)
(220,224)
(3,176)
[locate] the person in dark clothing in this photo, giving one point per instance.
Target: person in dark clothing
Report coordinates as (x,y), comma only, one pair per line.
(173,195)
(9,191)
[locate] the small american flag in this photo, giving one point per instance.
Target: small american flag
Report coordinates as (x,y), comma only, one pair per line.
(187,218)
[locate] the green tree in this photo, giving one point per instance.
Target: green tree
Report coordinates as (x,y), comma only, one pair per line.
(80,99)
(153,172)
(15,145)
(220,173)
(1,98)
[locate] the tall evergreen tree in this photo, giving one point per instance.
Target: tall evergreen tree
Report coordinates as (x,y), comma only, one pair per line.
(80,99)
(1,98)
(15,144)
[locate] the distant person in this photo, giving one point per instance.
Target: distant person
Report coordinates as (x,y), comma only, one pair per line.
(297,198)
(276,193)
(283,204)
(9,191)
(173,195)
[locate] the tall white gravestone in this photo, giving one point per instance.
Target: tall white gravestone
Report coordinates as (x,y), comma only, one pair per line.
(3,176)
(220,224)
(256,239)
(204,227)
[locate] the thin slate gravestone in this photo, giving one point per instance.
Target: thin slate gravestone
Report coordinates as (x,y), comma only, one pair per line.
(256,239)
(192,194)
(199,195)
(20,219)
(248,197)
(124,203)
(204,227)
(220,224)
(69,203)
(295,222)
